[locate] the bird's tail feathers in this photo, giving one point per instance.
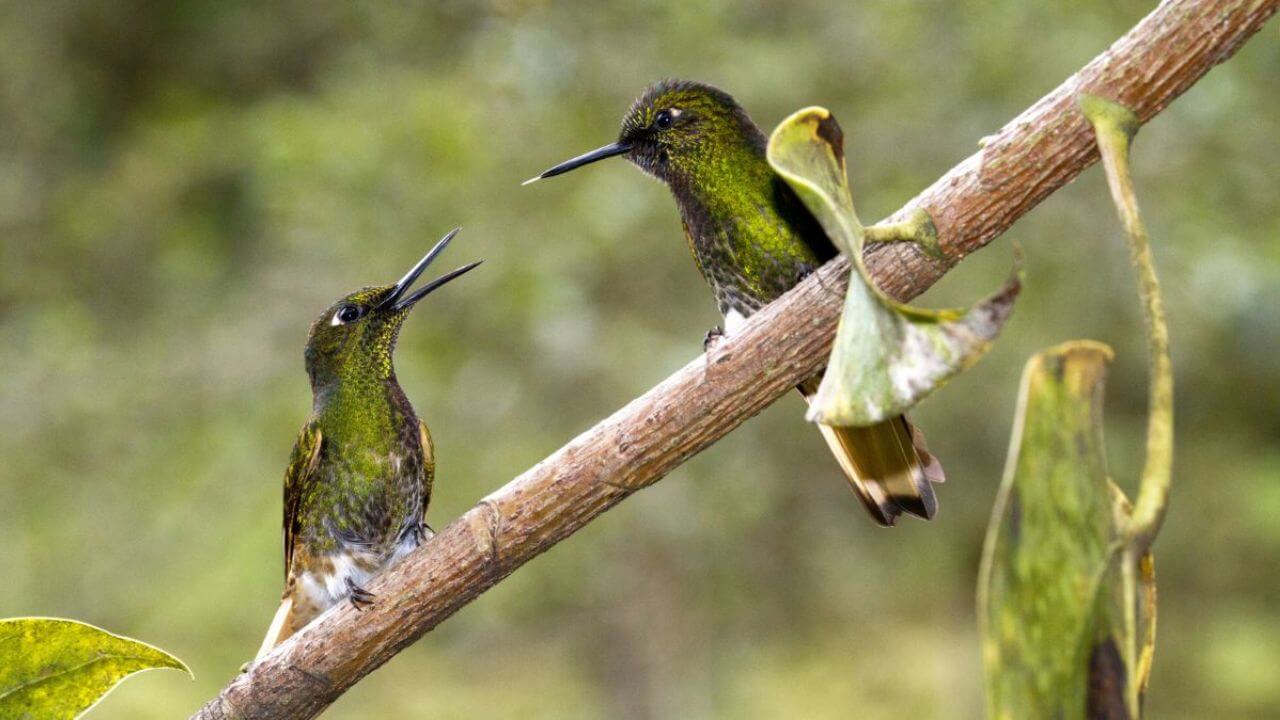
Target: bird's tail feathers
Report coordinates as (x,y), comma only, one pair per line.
(889,468)
(281,627)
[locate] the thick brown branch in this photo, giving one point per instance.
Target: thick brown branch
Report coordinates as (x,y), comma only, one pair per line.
(1035,154)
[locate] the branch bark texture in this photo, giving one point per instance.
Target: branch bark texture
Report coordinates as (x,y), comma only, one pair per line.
(1036,153)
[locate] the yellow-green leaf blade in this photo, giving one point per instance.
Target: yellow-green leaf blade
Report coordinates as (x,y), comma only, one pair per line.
(53,668)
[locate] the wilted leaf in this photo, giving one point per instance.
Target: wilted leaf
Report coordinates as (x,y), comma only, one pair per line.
(52,669)
(887,355)
(1058,590)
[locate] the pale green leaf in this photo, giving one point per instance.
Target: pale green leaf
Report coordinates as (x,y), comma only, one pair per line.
(51,669)
(887,355)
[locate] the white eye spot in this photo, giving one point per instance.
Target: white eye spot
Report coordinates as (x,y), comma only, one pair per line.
(346,314)
(676,112)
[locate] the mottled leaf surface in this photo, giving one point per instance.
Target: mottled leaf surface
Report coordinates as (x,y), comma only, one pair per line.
(52,669)
(887,355)
(1067,614)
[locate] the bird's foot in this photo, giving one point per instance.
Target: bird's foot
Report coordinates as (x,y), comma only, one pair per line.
(712,338)
(359,597)
(418,531)
(805,271)
(422,532)
(918,230)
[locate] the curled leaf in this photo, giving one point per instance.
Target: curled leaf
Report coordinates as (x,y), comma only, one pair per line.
(52,669)
(1059,590)
(887,355)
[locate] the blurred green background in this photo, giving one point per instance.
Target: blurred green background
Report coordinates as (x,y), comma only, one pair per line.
(185,185)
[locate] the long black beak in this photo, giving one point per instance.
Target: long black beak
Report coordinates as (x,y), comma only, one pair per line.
(397,300)
(607,151)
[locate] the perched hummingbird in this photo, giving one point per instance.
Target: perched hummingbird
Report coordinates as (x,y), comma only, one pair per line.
(359,480)
(753,240)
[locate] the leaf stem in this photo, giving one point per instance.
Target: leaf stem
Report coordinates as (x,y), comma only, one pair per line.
(917,229)
(1114,126)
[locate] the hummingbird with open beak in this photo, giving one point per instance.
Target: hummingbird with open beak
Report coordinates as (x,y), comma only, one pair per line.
(753,240)
(359,480)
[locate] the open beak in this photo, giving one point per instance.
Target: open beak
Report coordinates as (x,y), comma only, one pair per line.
(607,151)
(398,300)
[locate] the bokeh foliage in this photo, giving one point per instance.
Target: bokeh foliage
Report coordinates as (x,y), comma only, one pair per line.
(185,185)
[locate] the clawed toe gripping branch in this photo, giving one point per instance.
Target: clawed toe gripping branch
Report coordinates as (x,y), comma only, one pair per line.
(1032,156)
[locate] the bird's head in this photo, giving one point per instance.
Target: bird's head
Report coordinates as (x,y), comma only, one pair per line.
(676,130)
(355,337)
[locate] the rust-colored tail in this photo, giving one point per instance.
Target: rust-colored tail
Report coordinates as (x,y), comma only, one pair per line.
(888,467)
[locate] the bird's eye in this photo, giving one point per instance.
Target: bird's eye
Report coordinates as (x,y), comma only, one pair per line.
(347,313)
(664,120)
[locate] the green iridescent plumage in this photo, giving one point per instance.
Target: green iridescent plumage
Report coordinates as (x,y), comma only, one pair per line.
(753,240)
(367,478)
(749,234)
(360,477)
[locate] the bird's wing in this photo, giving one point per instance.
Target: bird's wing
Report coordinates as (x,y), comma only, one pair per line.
(693,250)
(428,464)
(801,222)
(301,472)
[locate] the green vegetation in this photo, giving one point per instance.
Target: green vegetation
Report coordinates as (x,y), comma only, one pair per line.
(184,186)
(888,356)
(53,669)
(1067,593)
(1054,589)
